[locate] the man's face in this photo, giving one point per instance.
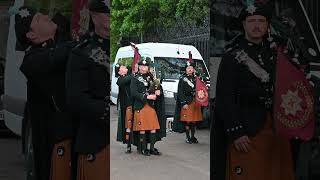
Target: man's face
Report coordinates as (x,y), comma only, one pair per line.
(123,70)
(101,23)
(42,28)
(256,26)
(189,70)
(143,69)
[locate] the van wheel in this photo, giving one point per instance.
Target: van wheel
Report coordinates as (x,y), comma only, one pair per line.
(29,156)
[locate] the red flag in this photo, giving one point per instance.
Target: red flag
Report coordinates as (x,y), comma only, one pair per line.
(80,18)
(293,101)
(201,93)
(136,57)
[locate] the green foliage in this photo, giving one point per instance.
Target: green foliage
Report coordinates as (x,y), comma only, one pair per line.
(133,18)
(51,6)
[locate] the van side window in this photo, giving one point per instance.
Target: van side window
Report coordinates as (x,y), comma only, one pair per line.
(125,61)
(173,68)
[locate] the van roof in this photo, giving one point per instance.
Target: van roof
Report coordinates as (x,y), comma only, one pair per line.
(160,50)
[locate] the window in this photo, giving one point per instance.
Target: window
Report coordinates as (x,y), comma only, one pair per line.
(173,68)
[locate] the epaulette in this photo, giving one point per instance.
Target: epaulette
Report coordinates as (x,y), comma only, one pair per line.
(31,50)
(233,43)
(82,44)
(83,48)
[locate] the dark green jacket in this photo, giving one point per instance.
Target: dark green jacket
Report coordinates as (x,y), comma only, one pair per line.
(139,90)
(88,91)
(124,100)
(186,93)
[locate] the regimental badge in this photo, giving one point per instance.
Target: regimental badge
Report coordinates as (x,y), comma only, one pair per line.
(243,58)
(84,20)
(291,102)
(251,9)
(291,105)
(99,56)
(201,94)
(24,13)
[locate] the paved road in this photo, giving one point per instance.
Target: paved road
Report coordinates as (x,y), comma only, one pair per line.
(11,158)
(179,161)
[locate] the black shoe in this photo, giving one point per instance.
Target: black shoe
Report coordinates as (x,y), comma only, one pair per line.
(155,152)
(194,140)
(145,152)
(188,141)
(128,151)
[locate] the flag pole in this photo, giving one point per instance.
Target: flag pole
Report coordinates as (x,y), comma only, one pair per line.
(310,25)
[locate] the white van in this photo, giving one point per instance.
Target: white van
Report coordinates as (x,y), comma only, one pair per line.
(15,94)
(168,61)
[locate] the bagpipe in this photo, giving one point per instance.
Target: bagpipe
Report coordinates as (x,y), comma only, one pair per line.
(155,84)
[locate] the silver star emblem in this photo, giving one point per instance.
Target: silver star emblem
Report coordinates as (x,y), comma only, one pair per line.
(99,56)
(241,56)
(24,13)
(106,2)
(188,63)
(291,102)
(251,9)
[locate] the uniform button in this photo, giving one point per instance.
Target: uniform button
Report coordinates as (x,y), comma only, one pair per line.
(238,170)
(60,151)
(91,157)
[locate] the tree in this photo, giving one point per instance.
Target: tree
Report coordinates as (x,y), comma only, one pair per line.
(51,6)
(134,18)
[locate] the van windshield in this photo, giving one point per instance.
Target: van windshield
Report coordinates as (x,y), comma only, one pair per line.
(173,68)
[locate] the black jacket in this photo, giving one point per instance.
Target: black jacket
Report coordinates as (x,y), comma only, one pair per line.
(185,95)
(241,97)
(44,68)
(242,100)
(88,91)
(139,91)
(124,100)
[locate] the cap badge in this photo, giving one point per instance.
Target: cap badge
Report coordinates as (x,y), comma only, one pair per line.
(24,13)
(251,9)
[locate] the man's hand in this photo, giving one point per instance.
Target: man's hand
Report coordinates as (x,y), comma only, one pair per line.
(242,144)
(152,97)
(185,106)
(157,92)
